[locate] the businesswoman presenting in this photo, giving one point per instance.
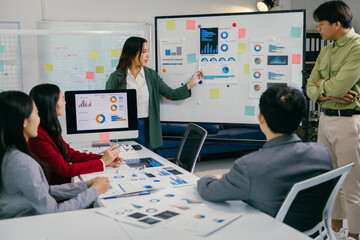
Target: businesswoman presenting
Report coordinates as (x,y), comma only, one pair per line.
(24,190)
(132,73)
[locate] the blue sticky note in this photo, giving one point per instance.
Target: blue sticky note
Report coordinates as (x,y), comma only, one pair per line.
(1,90)
(191,58)
(2,48)
(249,110)
(295,32)
(114,62)
(2,67)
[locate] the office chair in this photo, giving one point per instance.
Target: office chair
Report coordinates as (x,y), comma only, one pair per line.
(313,188)
(190,146)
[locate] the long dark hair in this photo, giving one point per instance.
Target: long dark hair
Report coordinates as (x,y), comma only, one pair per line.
(132,47)
(15,108)
(46,97)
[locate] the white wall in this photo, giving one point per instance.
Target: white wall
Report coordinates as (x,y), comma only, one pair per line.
(311,5)
(27,12)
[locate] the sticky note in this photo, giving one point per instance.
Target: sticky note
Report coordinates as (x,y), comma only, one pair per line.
(214,93)
(166,100)
(114,62)
(295,32)
(99,69)
(94,54)
(2,48)
(170,24)
(2,69)
(296,59)
(114,52)
(190,24)
(191,58)
(120,51)
(48,67)
(104,137)
(1,90)
(89,75)
(249,110)
(242,47)
(246,68)
(242,33)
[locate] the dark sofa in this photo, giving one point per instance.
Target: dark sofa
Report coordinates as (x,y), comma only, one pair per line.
(225,131)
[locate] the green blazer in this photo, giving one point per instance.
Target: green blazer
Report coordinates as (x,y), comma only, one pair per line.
(156,87)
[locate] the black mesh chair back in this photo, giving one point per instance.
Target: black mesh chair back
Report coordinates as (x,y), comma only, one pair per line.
(190,146)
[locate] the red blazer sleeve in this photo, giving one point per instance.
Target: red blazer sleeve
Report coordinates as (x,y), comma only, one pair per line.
(77,156)
(46,150)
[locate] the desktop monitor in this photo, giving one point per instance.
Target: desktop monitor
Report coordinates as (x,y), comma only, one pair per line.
(97,115)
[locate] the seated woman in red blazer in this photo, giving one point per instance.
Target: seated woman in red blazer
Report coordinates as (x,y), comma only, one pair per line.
(62,161)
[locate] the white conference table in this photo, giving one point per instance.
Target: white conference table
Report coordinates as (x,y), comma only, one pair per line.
(88,224)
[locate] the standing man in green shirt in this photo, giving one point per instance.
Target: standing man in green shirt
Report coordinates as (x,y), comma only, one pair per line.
(334,84)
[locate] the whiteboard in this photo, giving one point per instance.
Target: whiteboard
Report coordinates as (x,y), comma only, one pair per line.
(82,55)
(11,77)
(240,54)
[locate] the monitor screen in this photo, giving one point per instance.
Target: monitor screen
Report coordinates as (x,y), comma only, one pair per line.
(92,112)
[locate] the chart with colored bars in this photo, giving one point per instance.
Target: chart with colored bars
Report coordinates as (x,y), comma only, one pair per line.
(172,59)
(10,59)
(270,65)
(103,111)
(209,41)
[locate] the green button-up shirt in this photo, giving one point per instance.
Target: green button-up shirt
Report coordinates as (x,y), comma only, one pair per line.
(339,64)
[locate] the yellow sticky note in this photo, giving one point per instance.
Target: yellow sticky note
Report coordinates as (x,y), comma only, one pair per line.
(120,51)
(246,68)
(170,24)
(113,52)
(242,47)
(214,93)
(99,69)
(94,54)
(48,67)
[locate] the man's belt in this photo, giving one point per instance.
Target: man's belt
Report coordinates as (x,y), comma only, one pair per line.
(340,113)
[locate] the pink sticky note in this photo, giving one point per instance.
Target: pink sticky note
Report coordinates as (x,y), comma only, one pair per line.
(190,24)
(242,32)
(104,137)
(296,59)
(167,100)
(89,75)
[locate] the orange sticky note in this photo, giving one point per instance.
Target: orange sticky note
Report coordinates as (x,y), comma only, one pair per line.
(242,32)
(104,137)
(89,75)
(190,24)
(296,59)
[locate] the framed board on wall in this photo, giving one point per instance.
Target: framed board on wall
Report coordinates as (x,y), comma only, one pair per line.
(240,55)
(11,77)
(82,55)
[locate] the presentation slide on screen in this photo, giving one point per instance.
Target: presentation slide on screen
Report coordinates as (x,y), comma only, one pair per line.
(101,111)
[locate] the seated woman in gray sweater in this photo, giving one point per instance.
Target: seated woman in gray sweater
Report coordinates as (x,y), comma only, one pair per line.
(24,190)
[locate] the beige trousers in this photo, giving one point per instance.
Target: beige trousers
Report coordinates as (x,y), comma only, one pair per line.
(342,136)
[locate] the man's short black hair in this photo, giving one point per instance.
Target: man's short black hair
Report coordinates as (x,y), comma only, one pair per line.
(334,11)
(283,108)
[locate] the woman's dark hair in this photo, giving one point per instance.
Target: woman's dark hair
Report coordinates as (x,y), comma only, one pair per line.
(15,108)
(46,97)
(132,47)
(334,11)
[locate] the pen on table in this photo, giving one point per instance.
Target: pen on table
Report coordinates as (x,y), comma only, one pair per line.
(127,195)
(102,152)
